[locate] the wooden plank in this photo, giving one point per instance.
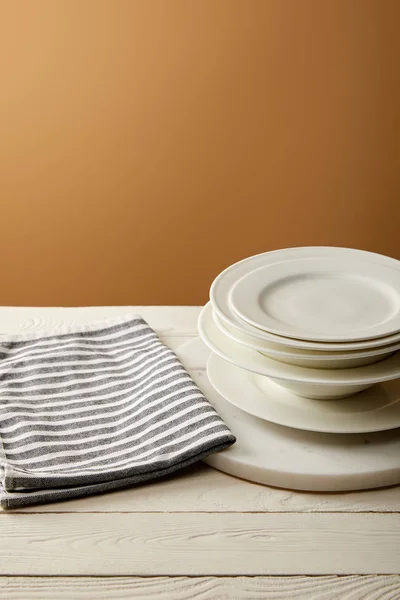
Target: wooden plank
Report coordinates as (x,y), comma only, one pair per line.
(199,544)
(203,489)
(169,320)
(371,587)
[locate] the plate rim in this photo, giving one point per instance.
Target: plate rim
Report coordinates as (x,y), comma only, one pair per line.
(291,266)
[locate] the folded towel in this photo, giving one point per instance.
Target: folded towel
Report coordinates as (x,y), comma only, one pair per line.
(94,408)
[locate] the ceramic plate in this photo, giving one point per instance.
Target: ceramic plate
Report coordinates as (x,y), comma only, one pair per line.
(376,409)
(222,285)
(306,358)
(321,299)
(249,359)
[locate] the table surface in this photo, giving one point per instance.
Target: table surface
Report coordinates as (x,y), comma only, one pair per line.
(200,533)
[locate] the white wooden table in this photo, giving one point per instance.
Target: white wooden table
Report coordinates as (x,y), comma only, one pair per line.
(199,534)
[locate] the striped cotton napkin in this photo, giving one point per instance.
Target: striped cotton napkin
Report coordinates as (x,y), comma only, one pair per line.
(96,408)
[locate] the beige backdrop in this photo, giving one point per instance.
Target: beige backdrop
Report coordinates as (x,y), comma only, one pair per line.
(146,144)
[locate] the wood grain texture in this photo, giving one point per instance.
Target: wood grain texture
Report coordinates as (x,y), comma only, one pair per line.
(199,544)
(351,587)
(166,320)
(203,489)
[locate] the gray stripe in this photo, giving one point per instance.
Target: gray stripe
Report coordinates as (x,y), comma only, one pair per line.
(130,446)
(73,474)
(65,351)
(105,399)
(10,500)
(75,363)
(108,433)
(78,372)
(90,384)
(123,421)
(65,361)
(123,339)
(90,414)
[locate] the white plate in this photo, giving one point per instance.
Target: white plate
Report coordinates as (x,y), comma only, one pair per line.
(222,285)
(306,358)
(251,360)
(321,299)
(376,409)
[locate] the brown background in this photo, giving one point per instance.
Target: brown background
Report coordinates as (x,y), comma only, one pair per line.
(146,144)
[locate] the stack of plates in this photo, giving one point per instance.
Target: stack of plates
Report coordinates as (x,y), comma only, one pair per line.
(308,338)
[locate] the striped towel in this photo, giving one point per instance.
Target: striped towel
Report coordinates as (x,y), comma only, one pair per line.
(95,408)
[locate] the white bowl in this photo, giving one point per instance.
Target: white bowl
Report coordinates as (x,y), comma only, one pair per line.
(376,409)
(321,391)
(334,363)
(302,381)
(306,358)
